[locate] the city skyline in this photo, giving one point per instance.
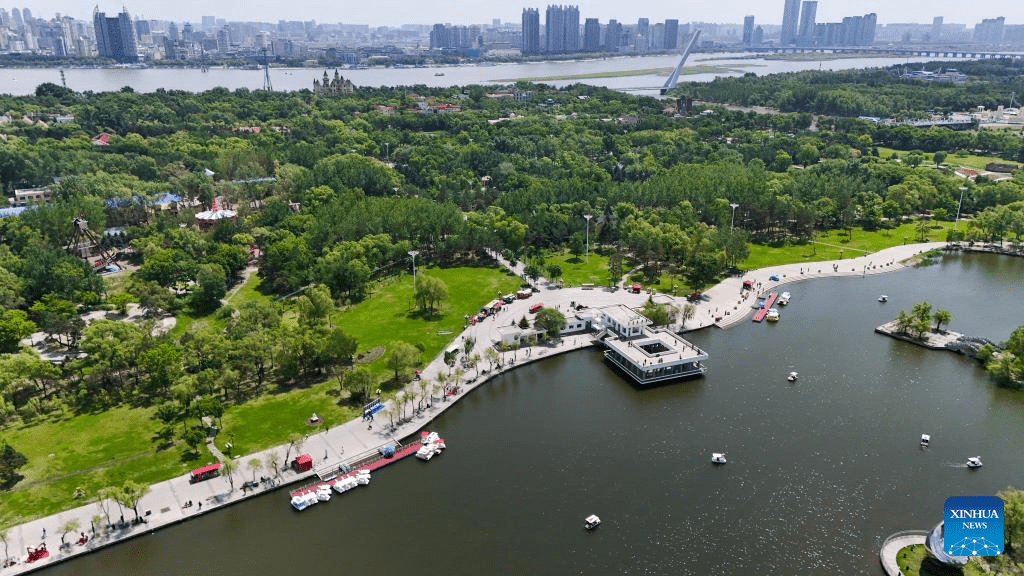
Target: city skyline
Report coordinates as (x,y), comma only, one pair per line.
(398,12)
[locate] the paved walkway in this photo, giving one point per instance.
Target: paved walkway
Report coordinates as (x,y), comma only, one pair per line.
(348,442)
(893,544)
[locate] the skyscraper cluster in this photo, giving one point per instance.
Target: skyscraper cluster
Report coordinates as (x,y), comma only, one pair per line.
(799,27)
(115,37)
(561,33)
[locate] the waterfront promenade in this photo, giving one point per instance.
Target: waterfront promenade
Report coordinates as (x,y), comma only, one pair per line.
(896,542)
(350,441)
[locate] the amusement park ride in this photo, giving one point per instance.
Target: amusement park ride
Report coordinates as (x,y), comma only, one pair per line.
(86,244)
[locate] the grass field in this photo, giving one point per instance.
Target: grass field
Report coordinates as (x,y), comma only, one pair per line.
(915,561)
(389,314)
(582,270)
(88,451)
(386,316)
(835,244)
(956,160)
(247,292)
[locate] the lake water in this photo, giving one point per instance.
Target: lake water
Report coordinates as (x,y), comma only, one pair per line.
(22,81)
(820,471)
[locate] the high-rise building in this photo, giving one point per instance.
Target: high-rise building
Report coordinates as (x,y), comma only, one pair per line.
(671,34)
(643,34)
(562,28)
(790,19)
(807,15)
(172,32)
(531,31)
(591,35)
(867,29)
(5,20)
(758,38)
(115,37)
(936,35)
(209,23)
(612,36)
(989,30)
(16,18)
(748,30)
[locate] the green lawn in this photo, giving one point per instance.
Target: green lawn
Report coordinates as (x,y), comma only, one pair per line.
(968,160)
(836,244)
(89,451)
(591,269)
(268,420)
(246,293)
(915,561)
(389,314)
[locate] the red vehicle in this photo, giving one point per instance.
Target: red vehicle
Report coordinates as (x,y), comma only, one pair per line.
(694,296)
(536,307)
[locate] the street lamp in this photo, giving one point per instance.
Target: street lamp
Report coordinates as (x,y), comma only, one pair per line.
(588,217)
(733,221)
(413,253)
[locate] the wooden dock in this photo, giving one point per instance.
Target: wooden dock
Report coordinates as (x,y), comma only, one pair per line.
(767,306)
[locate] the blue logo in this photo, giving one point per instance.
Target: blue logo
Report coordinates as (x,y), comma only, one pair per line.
(973,526)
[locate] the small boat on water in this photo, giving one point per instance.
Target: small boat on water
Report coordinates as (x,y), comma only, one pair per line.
(974,462)
(302,501)
(883,298)
(792,376)
(363,477)
(784,299)
(925,440)
(718,457)
(438,73)
(591,522)
(323,493)
(772,315)
(345,484)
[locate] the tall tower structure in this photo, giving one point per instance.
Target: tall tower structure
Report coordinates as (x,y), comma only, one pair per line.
(115,37)
(591,35)
(531,31)
(572,28)
(807,15)
(867,30)
(937,29)
(790,18)
(671,34)
(554,28)
(612,34)
(16,18)
(748,30)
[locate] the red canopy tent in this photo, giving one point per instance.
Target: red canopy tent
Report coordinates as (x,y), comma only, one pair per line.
(205,473)
(302,463)
(636,288)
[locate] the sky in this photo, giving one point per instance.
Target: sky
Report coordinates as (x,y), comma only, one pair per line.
(397,12)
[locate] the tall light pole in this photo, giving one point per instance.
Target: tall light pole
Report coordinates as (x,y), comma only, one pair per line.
(733,221)
(961,203)
(413,253)
(588,217)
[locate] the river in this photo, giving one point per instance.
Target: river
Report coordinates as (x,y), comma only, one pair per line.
(820,471)
(23,81)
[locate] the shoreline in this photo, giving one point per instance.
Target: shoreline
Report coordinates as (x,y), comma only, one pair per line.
(162,505)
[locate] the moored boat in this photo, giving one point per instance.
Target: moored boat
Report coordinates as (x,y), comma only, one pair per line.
(772,315)
(302,501)
(784,299)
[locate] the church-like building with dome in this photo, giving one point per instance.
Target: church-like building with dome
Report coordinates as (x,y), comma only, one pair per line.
(336,87)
